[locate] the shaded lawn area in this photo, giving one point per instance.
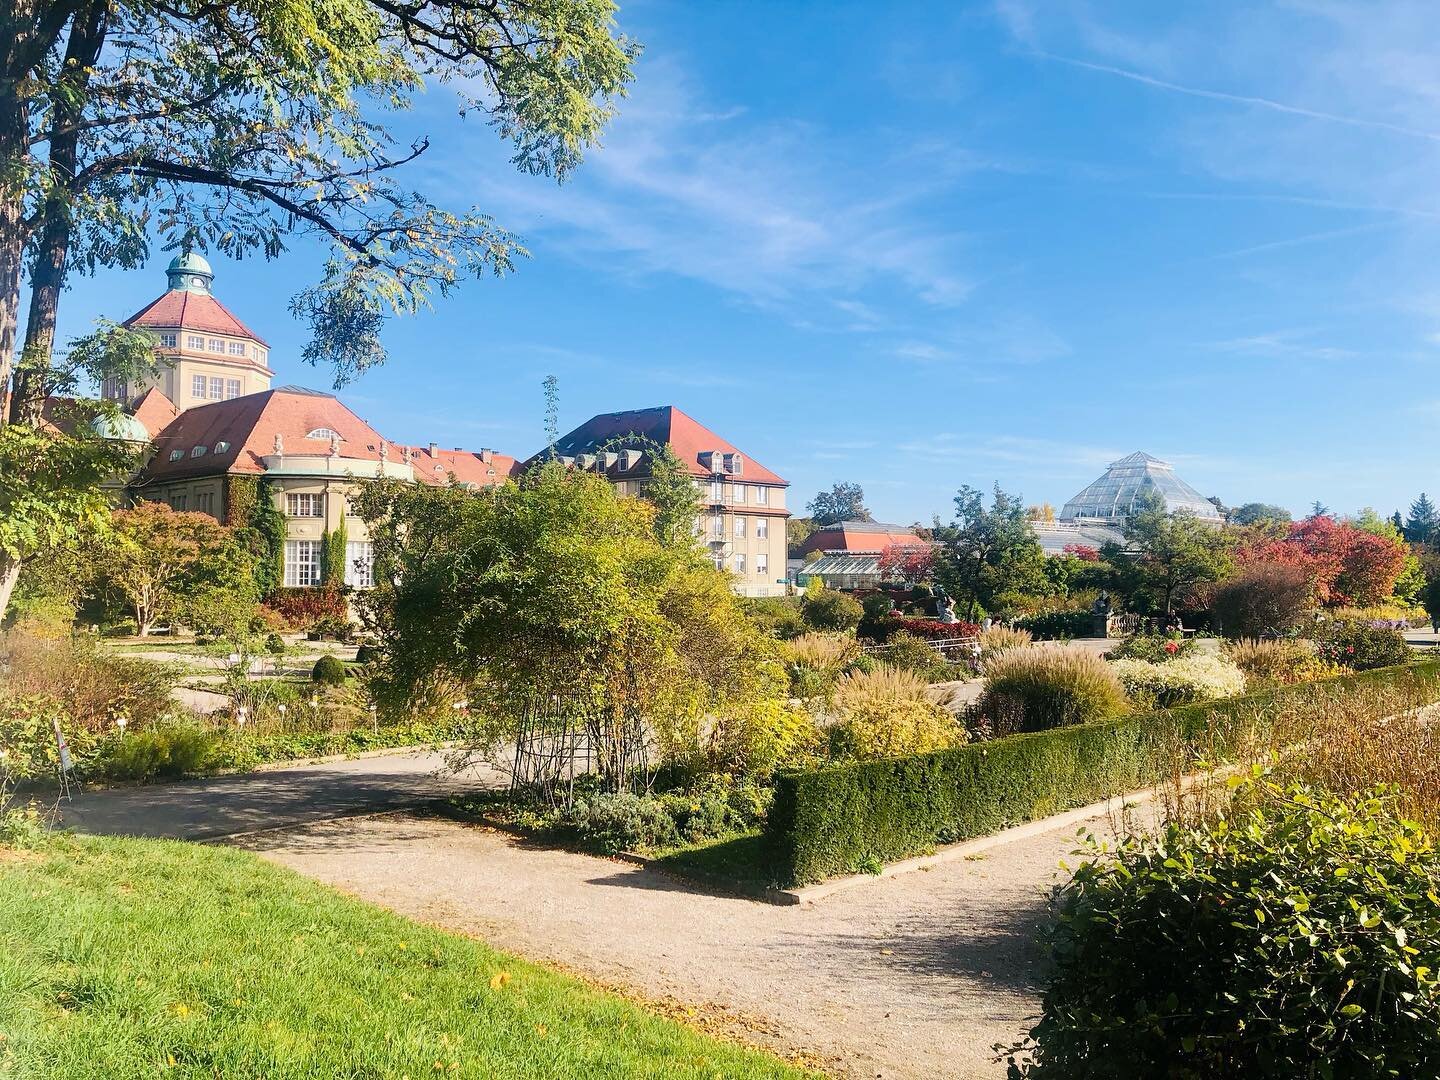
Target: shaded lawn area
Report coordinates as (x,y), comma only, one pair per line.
(124,958)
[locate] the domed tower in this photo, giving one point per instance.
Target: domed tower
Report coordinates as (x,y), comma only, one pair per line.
(209,354)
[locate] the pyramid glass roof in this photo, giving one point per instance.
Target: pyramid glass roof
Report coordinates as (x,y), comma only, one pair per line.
(1112,498)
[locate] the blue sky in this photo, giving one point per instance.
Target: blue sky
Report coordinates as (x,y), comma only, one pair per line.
(959,243)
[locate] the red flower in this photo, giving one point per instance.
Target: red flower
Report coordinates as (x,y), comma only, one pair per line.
(1172,647)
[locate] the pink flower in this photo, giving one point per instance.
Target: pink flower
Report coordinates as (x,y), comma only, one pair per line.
(1172,647)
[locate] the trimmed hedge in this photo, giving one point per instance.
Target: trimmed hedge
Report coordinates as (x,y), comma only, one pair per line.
(830,821)
(1052,625)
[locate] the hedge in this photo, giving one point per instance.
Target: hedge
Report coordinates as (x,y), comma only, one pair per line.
(1059,624)
(830,821)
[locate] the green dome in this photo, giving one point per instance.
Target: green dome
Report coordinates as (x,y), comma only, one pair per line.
(121,428)
(190,273)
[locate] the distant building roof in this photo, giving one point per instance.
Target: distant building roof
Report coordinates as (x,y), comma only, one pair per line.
(478,468)
(188,303)
(690,441)
(1113,497)
(859,536)
(154,410)
(1056,536)
(839,563)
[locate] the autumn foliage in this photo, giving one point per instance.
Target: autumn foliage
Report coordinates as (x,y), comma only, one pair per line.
(907,562)
(1346,565)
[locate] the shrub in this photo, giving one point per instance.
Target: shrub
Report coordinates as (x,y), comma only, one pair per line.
(778,616)
(1267,600)
(1360,646)
(756,738)
(999,639)
(303,608)
(328,671)
(823,820)
(624,822)
(1179,682)
(1059,625)
(1283,662)
(367,653)
(828,609)
(165,752)
(1035,689)
(887,714)
(1303,932)
(912,654)
(91,687)
(705,815)
(1154,648)
(274,644)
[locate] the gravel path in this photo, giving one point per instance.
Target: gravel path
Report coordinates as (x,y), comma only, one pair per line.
(912,976)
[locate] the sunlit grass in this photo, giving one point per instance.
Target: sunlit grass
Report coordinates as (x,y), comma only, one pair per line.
(125,958)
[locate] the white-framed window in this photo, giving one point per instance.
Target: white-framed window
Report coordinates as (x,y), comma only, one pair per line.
(762,528)
(719,561)
(302,563)
(359,564)
(739,527)
(762,495)
(717,526)
(237,348)
(323,433)
(198,451)
(166,339)
(195,341)
(739,562)
(221,446)
(305,504)
(176,455)
(217,345)
(232,388)
(737,492)
(762,563)
(217,388)
(197,386)
(717,491)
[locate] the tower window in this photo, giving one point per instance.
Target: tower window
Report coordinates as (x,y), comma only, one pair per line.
(197,386)
(195,341)
(217,345)
(232,388)
(217,388)
(237,348)
(167,339)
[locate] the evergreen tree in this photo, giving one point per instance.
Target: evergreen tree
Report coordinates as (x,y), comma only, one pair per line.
(1424,521)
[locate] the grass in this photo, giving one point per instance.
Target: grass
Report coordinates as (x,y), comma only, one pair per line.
(734,864)
(124,958)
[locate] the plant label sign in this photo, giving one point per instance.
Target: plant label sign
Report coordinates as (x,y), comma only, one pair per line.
(66,764)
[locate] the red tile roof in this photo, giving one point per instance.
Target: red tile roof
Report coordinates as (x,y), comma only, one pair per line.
(467,466)
(688,438)
(249,425)
(191,311)
(859,536)
(154,410)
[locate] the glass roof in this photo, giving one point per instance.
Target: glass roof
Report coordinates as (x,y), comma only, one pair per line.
(1112,498)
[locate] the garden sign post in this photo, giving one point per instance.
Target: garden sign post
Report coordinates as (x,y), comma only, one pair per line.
(67,766)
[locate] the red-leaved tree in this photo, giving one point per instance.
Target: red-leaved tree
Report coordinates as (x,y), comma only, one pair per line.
(907,562)
(1345,564)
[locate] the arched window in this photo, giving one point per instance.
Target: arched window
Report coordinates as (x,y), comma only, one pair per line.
(324,433)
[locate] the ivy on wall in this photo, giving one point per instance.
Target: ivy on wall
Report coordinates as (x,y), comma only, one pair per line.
(250,509)
(332,547)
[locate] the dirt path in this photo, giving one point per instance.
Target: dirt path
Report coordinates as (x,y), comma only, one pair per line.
(912,976)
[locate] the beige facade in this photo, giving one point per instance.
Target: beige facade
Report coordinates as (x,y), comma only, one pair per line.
(743,528)
(188,378)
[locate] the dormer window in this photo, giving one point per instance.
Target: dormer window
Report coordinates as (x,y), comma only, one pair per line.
(176,455)
(221,447)
(324,433)
(199,451)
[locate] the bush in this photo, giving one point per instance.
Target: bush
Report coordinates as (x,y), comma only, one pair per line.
(91,687)
(367,653)
(1302,933)
(1360,646)
(1154,648)
(1036,689)
(827,609)
(1262,601)
(887,714)
(755,739)
(614,823)
(274,644)
(303,608)
(932,629)
(328,671)
(910,653)
(1283,662)
(877,606)
(1059,625)
(778,616)
(824,820)
(1179,682)
(165,752)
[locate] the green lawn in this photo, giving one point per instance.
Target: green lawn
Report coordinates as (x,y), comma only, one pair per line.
(125,958)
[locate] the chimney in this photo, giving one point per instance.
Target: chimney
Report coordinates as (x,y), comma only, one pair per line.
(434,448)
(487,455)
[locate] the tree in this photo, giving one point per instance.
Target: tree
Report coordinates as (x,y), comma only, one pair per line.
(989,553)
(797,531)
(238,125)
(669,488)
(555,610)
(1168,554)
(908,562)
(172,565)
(1253,513)
(1266,600)
(1319,509)
(843,502)
(1423,524)
(1347,564)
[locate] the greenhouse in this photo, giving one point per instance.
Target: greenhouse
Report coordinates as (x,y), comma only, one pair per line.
(1114,496)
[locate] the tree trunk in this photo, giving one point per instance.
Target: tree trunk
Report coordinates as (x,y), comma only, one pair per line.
(9,575)
(47,276)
